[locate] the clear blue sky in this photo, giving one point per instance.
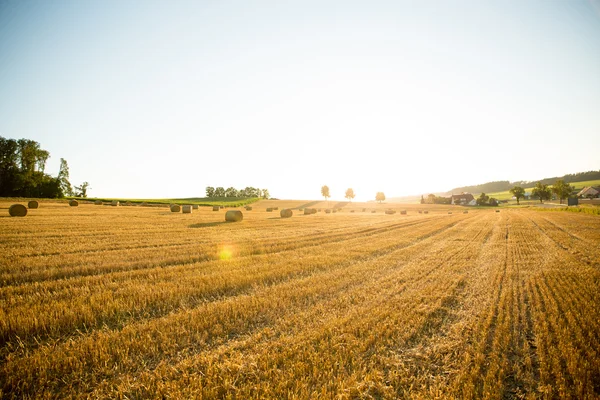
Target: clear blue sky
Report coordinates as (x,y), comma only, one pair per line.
(151,99)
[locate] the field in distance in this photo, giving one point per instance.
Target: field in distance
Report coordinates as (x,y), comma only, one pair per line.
(139,302)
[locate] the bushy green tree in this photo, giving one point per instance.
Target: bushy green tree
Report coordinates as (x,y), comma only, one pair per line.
(231,192)
(483,199)
(210,191)
(562,189)
(220,192)
(380,196)
(22,166)
(542,192)
(518,192)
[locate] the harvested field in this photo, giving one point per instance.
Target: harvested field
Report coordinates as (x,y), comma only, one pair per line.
(139,302)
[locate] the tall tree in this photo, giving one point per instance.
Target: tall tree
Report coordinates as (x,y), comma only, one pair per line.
(63,177)
(210,191)
(380,197)
(350,194)
(542,192)
(265,194)
(562,189)
(325,192)
(518,192)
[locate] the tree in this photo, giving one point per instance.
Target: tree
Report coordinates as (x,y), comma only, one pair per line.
(210,191)
(380,197)
(431,198)
(562,189)
(231,192)
(483,199)
(219,192)
(63,177)
(81,191)
(325,192)
(350,194)
(518,192)
(265,194)
(22,165)
(542,192)
(249,191)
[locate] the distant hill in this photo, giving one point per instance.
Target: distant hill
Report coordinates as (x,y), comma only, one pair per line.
(500,186)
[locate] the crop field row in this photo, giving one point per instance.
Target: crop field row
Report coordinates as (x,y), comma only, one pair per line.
(133,302)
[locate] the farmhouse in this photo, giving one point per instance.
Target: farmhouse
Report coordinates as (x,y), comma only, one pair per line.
(464,199)
(589,192)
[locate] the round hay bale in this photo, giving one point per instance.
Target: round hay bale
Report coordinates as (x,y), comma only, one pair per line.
(98,202)
(116,203)
(194,206)
(497,210)
(73,203)
(351,211)
(301,209)
(17,210)
(465,212)
(327,211)
(175,208)
(390,212)
(221,207)
(308,211)
(420,212)
(234,216)
(334,210)
(216,208)
(449,212)
(275,208)
(403,212)
(269,210)
(364,209)
(373,211)
(248,208)
(187,209)
(286,213)
(425,212)
(33,204)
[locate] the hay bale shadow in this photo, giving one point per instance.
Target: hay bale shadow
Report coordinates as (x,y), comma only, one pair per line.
(207,224)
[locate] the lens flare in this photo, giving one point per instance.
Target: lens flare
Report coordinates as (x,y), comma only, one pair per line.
(226,253)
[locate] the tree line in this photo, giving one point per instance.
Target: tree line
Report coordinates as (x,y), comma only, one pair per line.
(22,172)
(247,192)
(500,186)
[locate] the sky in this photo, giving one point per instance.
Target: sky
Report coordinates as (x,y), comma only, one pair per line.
(159,99)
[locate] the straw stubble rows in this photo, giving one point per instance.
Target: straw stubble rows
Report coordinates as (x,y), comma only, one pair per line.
(143,303)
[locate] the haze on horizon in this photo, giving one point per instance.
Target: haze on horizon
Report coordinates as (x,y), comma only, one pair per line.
(161,99)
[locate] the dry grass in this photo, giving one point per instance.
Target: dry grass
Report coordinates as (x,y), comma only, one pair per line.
(139,302)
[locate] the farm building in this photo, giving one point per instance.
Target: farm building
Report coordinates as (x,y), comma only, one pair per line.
(589,192)
(464,199)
